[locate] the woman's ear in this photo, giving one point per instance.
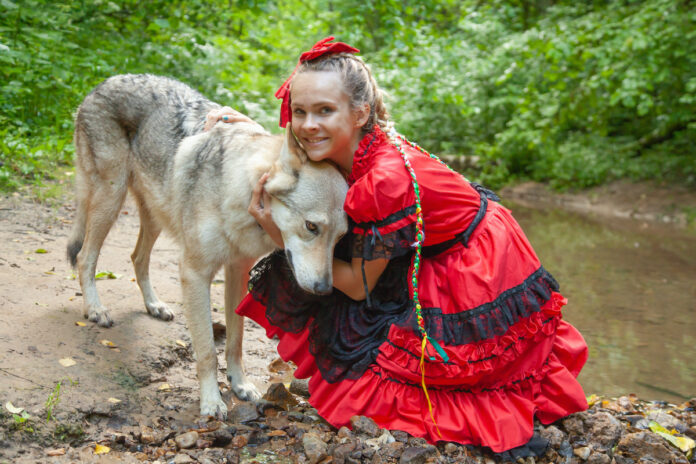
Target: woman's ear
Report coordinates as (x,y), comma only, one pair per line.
(362,114)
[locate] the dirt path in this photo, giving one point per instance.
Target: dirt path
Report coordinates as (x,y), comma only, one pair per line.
(149,374)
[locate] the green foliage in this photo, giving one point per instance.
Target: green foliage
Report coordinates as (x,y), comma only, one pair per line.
(572,93)
(23,422)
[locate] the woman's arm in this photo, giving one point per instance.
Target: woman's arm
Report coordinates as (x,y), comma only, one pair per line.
(348,277)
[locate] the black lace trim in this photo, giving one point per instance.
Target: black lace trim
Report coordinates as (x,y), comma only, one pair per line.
(490,319)
(391,245)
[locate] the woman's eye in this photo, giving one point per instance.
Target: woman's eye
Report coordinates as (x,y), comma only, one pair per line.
(326,110)
(312,227)
(298,111)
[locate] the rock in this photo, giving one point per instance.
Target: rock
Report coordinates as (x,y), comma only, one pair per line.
(598,458)
(314,448)
(380,441)
(182,459)
(417,441)
(667,421)
(344,432)
(583,452)
(278,365)
(416,455)
(451,448)
(602,430)
(400,436)
(146,434)
(186,440)
(256,438)
(554,435)
(221,438)
(646,447)
(574,424)
(343,451)
(243,412)
(364,425)
(300,387)
(565,449)
(392,450)
(239,441)
(278,394)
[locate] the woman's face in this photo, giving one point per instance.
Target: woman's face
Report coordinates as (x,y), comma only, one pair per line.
(322,117)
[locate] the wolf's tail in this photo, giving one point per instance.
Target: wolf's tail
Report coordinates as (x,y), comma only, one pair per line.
(77,236)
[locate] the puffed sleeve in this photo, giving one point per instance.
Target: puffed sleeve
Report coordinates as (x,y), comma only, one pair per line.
(382,209)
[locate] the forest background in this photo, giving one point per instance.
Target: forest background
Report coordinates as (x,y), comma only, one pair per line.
(571,93)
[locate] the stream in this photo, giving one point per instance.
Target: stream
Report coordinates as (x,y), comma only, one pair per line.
(631,290)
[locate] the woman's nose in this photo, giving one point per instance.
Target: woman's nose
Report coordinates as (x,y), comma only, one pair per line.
(310,122)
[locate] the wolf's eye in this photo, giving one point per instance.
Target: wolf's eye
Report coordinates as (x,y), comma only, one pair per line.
(312,227)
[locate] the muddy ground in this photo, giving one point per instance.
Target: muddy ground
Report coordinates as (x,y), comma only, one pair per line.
(133,388)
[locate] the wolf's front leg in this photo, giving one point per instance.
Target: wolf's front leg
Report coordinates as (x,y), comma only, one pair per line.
(196,291)
(236,277)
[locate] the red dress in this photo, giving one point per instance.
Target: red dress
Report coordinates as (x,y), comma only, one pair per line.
(486,299)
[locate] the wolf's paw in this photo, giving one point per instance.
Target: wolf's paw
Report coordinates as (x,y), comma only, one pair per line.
(100,315)
(160,311)
(245,391)
(216,408)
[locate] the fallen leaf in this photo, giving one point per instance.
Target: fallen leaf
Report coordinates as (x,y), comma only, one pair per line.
(56,452)
(101,449)
(13,409)
(80,323)
(40,251)
(113,400)
(106,275)
(164,387)
(181,343)
(108,343)
(685,444)
(67,362)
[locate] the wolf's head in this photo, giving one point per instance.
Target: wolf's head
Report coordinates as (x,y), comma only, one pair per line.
(307,205)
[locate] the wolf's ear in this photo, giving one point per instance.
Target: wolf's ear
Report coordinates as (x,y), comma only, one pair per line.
(292,155)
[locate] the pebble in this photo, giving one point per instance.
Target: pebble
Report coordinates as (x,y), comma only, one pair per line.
(300,387)
(181,459)
(314,448)
(413,455)
(583,452)
(365,425)
(279,395)
(243,412)
(186,440)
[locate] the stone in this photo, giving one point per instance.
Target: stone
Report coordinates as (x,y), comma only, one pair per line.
(646,447)
(554,435)
(186,440)
(239,441)
(343,451)
(417,455)
(392,450)
(243,412)
(182,459)
(400,436)
(278,365)
(451,448)
(364,425)
(279,395)
(417,441)
(222,438)
(300,387)
(598,458)
(314,448)
(147,435)
(574,424)
(344,432)
(667,421)
(603,430)
(583,452)
(380,441)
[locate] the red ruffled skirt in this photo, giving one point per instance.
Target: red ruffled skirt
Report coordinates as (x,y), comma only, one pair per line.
(490,390)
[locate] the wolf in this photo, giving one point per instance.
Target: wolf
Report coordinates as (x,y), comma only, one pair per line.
(144,134)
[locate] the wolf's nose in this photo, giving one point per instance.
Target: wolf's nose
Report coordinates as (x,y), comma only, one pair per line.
(322,288)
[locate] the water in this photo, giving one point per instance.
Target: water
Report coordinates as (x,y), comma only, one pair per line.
(632,294)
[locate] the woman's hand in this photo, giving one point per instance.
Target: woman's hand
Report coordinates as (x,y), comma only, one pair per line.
(260,209)
(224,114)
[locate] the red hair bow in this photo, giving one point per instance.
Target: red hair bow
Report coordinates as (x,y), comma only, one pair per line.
(323,47)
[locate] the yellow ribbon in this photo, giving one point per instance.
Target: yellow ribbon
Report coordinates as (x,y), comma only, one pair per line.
(425,389)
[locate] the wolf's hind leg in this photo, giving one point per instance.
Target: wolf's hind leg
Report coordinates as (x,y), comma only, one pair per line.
(149,231)
(236,277)
(105,203)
